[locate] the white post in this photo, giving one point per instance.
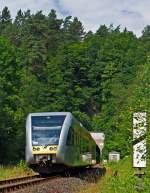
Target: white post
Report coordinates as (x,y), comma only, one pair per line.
(139,140)
(139,147)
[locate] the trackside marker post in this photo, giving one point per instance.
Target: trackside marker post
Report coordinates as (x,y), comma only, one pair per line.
(139,146)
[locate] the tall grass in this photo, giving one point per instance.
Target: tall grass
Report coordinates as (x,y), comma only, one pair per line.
(120,178)
(19,170)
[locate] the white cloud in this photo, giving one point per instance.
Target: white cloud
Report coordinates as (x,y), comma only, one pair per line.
(133,14)
(33,5)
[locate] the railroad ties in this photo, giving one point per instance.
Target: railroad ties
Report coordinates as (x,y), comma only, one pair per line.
(20,183)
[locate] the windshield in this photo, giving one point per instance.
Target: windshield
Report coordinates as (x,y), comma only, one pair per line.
(46,129)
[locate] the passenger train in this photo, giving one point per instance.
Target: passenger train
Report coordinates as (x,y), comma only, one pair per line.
(56,140)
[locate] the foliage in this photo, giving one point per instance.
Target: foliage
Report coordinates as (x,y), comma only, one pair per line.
(18,171)
(51,64)
(119,178)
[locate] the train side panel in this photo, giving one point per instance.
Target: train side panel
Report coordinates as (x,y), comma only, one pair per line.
(80,149)
(29,155)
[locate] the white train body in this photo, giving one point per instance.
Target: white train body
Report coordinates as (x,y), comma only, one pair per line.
(55,140)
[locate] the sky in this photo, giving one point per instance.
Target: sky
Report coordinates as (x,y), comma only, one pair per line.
(133,14)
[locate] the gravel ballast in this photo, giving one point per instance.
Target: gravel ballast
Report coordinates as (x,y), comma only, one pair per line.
(69,184)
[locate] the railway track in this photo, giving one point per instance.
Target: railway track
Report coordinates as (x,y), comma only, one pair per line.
(15,184)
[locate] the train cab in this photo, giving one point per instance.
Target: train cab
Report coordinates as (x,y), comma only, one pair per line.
(42,136)
(55,140)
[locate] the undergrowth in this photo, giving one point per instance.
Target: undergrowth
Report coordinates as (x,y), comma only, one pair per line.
(19,170)
(120,178)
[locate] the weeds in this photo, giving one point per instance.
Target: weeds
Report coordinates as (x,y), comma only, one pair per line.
(119,178)
(19,170)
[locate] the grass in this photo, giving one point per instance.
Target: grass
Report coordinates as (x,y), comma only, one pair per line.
(120,178)
(7,172)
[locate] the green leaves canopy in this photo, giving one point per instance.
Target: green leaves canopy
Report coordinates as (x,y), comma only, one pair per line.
(51,64)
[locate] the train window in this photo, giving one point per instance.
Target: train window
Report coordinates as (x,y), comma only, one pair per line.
(75,141)
(48,121)
(84,145)
(70,137)
(46,129)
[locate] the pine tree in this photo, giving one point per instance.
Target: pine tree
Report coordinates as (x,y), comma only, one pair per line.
(102,31)
(5,16)
(73,30)
(19,18)
(5,21)
(54,32)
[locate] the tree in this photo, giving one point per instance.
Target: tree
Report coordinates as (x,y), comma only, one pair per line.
(19,18)
(73,30)
(5,20)
(5,16)
(146,33)
(9,101)
(51,64)
(102,31)
(33,46)
(54,32)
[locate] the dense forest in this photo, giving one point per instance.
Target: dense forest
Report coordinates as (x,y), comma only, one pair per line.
(52,64)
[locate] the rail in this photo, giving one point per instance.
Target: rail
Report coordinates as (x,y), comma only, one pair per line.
(22,182)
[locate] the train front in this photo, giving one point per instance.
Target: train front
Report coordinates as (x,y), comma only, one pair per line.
(42,140)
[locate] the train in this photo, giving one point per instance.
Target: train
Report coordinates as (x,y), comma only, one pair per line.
(56,141)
